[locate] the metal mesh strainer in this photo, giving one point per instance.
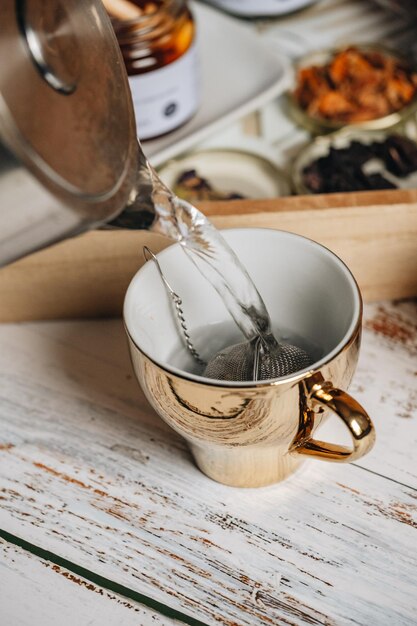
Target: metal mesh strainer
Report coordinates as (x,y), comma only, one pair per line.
(260,358)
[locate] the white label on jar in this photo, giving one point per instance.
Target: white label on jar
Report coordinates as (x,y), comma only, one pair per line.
(167,97)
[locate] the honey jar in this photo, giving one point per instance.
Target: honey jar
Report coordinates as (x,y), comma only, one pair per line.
(158,43)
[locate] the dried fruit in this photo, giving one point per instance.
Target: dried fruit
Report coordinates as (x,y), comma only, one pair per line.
(344,169)
(355,86)
(192,187)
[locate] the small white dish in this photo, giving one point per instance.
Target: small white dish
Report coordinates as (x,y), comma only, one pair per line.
(231,171)
(239,75)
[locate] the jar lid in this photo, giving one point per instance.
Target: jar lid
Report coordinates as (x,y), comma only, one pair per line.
(65,104)
(256,8)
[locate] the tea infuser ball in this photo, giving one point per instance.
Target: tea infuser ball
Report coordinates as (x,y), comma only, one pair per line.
(259,359)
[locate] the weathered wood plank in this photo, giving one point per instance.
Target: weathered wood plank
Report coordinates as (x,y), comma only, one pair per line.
(88,472)
(34,591)
(328,546)
(386,384)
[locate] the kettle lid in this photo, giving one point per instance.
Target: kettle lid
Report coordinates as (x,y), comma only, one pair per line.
(65,104)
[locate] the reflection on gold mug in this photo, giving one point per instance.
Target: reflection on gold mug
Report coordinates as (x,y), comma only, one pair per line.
(252,434)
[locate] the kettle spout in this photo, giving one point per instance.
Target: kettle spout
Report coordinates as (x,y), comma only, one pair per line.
(139,213)
(154,207)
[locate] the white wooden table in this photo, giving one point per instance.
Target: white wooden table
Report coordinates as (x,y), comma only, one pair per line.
(105,520)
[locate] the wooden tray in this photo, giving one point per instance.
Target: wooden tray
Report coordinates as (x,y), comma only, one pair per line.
(375,233)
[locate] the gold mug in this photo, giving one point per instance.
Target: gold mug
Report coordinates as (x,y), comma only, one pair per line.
(249,434)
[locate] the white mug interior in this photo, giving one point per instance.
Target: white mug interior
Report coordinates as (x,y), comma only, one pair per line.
(306,288)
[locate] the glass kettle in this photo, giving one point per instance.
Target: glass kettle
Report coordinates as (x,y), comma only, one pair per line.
(69,157)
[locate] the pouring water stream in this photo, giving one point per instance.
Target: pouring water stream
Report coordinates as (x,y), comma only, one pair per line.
(158,209)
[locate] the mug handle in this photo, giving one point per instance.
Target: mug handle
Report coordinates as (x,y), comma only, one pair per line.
(352,414)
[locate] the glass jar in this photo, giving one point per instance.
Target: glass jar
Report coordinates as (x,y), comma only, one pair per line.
(157,40)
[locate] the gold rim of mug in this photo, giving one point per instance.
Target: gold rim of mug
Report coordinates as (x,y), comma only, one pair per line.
(273,382)
(293,378)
